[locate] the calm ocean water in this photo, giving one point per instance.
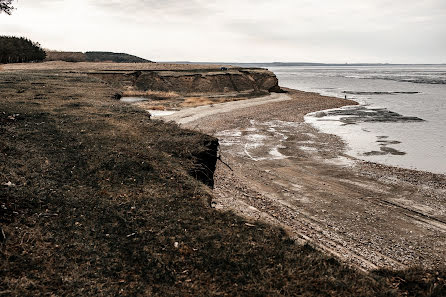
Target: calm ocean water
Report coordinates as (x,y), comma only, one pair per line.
(401,119)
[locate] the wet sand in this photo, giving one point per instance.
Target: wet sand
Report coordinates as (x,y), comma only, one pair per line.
(284,171)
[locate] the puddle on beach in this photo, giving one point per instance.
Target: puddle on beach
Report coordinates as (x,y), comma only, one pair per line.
(153,112)
(133,99)
(160,113)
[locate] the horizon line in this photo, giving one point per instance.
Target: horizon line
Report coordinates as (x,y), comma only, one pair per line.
(300,63)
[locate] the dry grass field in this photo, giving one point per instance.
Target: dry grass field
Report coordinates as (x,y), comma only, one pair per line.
(88,66)
(150,94)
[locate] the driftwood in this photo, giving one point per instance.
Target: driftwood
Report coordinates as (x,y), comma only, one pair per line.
(219,158)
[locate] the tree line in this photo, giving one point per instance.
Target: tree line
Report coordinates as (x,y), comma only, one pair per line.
(113,57)
(93,57)
(19,50)
(6,6)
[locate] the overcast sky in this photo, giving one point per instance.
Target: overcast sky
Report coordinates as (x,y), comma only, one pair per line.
(393,31)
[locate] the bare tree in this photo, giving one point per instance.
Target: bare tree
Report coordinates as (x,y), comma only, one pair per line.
(6,6)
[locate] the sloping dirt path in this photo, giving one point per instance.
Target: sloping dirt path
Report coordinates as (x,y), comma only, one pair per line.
(190,115)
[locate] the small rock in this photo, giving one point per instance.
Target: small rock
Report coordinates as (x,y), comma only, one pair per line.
(117,96)
(8,184)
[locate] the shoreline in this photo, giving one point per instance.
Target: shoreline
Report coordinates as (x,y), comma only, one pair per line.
(189,114)
(400,170)
(311,118)
(266,185)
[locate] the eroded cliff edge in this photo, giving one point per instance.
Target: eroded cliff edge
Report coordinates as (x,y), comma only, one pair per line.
(252,81)
(207,82)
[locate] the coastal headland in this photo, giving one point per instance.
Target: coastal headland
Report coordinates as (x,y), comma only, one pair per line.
(98,198)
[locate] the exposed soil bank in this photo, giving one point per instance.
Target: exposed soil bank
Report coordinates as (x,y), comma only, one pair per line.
(185,79)
(200,81)
(205,162)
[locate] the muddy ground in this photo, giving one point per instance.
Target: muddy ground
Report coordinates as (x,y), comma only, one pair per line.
(96,199)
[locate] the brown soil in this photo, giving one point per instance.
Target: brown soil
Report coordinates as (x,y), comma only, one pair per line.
(96,199)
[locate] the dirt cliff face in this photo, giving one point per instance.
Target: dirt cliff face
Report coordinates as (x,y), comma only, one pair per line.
(206,81)
(205,162)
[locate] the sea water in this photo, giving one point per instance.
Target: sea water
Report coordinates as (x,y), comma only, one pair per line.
(401,119)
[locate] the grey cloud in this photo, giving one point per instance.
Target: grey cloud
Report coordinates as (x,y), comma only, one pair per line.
(171,7)
(408,31)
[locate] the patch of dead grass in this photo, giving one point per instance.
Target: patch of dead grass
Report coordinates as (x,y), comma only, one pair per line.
(196,101)
(152,107)
(150,94)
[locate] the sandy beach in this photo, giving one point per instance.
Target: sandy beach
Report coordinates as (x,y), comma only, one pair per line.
(283,171)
